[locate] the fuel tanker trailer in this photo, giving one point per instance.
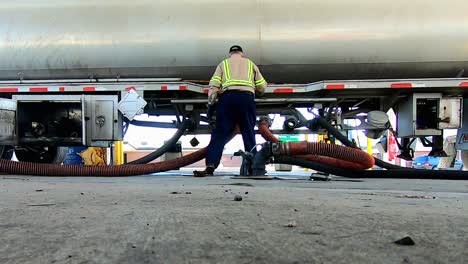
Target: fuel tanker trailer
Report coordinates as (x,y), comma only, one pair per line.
(78,72)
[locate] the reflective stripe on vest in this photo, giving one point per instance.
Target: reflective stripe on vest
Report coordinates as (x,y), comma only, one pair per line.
(227,70)
(216,79)
(230,82)
(260,82)
(250,78)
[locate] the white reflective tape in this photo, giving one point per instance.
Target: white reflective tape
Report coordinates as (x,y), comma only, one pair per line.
(299,90)
(173,87)
(54,89)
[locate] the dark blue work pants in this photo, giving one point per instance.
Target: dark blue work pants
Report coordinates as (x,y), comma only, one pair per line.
(234,107)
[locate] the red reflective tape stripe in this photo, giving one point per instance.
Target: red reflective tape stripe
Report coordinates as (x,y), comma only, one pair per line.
(89,89)
(8,90)
(62,89)
(335,86)
(182,88)
(164,88)
(130,88)
(284,90)
(206,91)
(402,85)
(38,89)
(464,84)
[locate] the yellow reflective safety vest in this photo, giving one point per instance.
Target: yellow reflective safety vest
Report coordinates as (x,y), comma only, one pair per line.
(238,73)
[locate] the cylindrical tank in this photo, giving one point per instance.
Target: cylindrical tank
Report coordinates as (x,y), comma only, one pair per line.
(293,41)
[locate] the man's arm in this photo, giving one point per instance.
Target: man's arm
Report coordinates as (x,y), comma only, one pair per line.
(260,83)
(215,84)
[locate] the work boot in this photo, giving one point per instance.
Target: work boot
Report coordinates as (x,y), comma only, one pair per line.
(207,172)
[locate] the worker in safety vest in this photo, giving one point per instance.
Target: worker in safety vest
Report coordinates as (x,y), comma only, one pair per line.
(236,81)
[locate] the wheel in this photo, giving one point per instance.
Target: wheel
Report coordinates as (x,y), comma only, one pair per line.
(6,152)
(51,155)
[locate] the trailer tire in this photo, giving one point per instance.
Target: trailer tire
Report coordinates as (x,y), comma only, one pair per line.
(6,152)
(50,155)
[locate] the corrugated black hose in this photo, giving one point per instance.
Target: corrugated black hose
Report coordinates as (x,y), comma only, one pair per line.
(377,174)
(166,147)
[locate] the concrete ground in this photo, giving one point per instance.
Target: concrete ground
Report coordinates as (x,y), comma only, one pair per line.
(177,219)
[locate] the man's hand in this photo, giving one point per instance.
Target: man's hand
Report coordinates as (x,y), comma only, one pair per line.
(259,93)
(212,96)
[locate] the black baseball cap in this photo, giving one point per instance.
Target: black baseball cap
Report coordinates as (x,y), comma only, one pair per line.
(235,48)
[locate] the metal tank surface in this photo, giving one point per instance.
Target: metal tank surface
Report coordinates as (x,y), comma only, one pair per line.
(293,41)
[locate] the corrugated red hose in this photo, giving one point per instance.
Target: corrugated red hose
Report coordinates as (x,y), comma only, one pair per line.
(40,169)
(334,155)
(29,168)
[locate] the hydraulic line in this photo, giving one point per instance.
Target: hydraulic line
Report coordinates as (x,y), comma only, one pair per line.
(168,145)
(334,155)
(377,174)
(153,124)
